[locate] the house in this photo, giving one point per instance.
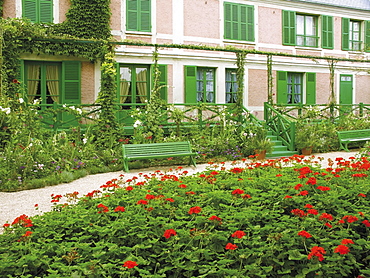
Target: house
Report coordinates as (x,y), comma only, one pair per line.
(298,35)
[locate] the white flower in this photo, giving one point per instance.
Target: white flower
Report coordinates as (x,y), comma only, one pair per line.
(64,106)
(84,140)
(79,110)
(6,110)
(72,107)
(137,123)
(21,100)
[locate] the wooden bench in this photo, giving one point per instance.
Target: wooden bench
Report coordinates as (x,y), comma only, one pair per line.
(156,150)
(348,136)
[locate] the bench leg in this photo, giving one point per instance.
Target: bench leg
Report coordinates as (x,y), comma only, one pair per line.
(125,166)
(192,161)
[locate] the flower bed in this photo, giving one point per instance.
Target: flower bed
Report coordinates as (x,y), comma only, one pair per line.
(280,218)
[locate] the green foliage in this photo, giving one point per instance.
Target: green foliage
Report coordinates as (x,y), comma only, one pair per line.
(250,221)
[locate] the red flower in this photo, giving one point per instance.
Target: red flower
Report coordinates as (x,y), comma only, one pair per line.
(317,252)
(298,186)
(366,223)
(236,170)
(23,220)
(303,193)
(215,218)
(170,200)
(237,191)
(168,233)
(6,225)
(326,216)
(119,208)
(142,202)
(288,197)
(230,246)
(238,234)
(347,241)
(28,233)
(308,206)
(362,195)
(323,188)
(328,225)
(304,234)
(312,211)
(129,188)
(246,196)
(298,212)
(341,249)
(312,181)
(149,197)
(349,218)
(102,208)
(190,193)
(182,186)
(214,173)
(130,264)
(195,210)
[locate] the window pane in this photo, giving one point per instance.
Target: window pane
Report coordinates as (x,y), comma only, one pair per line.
(310,26)
(300,25)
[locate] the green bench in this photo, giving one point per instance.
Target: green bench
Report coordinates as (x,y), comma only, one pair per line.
(348,136)
(156,150)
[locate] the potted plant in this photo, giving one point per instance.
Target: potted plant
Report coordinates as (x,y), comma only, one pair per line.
(306,136)
(261,144)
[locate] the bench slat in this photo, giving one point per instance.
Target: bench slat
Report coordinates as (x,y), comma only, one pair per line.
(348,136)
(156,150)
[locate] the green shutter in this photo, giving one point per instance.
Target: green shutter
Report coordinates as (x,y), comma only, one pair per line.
(327,36)
(310,88)
(118,82)
(71,82)
(46,11)
(345,33)
(132,11)
(29,10)
(367,36)
(235,22)
(250,22)
(243,22)
(145,24)
(190,84)
(289,33)
(282,86)
(163,82)
(227,20)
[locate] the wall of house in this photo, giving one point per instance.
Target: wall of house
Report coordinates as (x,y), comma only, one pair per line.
(9,9)
(87,82)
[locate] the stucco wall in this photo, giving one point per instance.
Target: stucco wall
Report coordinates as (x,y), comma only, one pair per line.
(87,82)
(323,87)
(63,9)
(9,8)
(269,25)
(201,18)
(164,16)
(362,89)
(115,20)
(257,87)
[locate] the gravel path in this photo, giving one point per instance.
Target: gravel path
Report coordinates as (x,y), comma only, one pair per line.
(14,204)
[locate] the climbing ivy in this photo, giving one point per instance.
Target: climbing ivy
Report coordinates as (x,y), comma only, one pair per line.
(240,63)
(1,7)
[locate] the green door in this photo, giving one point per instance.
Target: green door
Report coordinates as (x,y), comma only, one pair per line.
(345,91)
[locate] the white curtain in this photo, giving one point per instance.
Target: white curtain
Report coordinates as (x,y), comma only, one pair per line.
(52,82)
(33,77)
(141,85)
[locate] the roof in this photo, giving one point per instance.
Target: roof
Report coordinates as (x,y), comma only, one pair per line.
(352,4)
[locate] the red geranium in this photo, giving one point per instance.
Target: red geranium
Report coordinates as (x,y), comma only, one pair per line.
(341,249)
(130,264)
(347,241)
(238,234)
(304,234)
(237,191)
(119,208)
(230,246)
(318,252)
(168,233)
(195,210)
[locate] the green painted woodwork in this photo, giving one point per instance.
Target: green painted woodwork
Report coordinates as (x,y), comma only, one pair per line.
(239,22)
(38,10)
(345,89)
(310,88)
(327,32)
(289,25)
(282,84)
(350,136)
(367,36)
(190,84)
(156,150)
(345,33)
(138,15)
(71,82)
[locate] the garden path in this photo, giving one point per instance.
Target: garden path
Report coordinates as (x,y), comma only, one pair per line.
(14,204)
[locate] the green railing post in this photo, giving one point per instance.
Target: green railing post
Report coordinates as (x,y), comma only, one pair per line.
(361,109)
(292,136)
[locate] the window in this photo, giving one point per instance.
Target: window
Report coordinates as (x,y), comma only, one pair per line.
(199,84)
(306,30)
(138,17)
(238,22)
(53,82)
(293,86)
(302,30)
(231,86)
(38,10)
(134,84)
(352,35)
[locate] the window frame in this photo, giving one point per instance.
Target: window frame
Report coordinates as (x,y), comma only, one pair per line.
(292,93)
(233,85)
(304,35)
(204,92)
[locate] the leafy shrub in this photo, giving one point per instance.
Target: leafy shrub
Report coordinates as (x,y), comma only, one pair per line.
(254,220)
